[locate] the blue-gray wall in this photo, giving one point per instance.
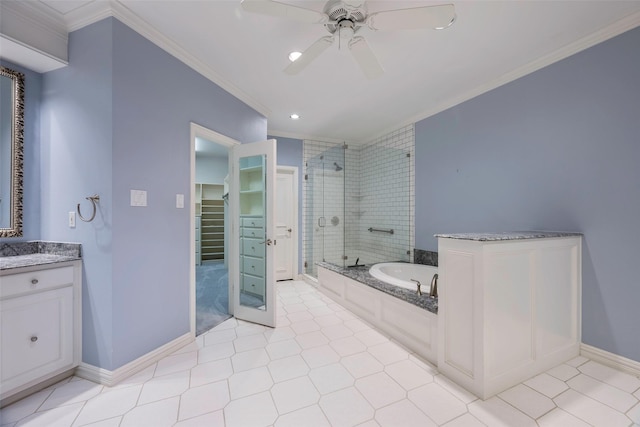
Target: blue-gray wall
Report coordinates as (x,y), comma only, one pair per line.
(556,150)
(118,118)
(290,154)
(31,190)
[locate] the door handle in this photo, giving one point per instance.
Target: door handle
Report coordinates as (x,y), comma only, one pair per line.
(289,230)
(269,242)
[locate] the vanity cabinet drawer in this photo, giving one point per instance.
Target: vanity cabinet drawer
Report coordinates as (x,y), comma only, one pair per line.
(253,266)
(37,336)
(252,284)
(36,281)
(253,222)
(256,233)
(253,247)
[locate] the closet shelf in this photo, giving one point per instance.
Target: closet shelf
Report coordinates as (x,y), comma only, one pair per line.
(251,168)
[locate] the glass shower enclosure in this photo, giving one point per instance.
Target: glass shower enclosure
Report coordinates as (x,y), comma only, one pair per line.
(324,216)
(358,202)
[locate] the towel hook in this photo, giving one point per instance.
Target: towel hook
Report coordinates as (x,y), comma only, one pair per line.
(93,199)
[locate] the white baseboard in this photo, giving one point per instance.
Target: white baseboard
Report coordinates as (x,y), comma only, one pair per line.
(111,378)
(610,359)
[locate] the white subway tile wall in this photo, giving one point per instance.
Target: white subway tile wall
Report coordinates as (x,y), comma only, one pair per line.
(377,193)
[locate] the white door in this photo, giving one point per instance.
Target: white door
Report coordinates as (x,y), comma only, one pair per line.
(286,222)
(252,200)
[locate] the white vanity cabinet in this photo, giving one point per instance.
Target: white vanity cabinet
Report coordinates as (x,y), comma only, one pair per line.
(40,324)
(509,307)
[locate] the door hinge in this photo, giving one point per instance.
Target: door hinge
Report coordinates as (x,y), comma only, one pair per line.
(345,257)
(306,176)
(306,264)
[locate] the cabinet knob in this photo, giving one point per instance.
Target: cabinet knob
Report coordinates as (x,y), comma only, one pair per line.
(34,338)
(34,281)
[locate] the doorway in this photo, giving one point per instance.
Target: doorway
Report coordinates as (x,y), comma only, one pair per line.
(211,219)
(211,229)
(287,223)
(250,228)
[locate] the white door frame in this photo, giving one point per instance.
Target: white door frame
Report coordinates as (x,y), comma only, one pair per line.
(208,134)
(295,229)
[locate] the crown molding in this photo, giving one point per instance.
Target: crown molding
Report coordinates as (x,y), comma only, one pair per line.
(628,23)
(32,36)
(96,11)
(88,14)
(302,137)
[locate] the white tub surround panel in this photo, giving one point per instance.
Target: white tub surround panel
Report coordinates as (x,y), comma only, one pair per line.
(509,306)
(412,326)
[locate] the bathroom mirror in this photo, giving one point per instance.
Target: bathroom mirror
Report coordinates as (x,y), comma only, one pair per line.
(11,151)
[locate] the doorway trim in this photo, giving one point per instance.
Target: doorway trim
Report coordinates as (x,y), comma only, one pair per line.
(197,131)
(293,170)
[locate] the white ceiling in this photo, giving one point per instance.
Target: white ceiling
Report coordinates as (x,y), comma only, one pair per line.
(426,71)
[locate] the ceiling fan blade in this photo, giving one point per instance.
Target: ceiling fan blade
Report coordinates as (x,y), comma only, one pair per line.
(365,58)
(311,53)
(282,10)
(436,17)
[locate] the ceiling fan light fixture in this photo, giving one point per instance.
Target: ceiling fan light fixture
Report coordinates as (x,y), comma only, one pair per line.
(294,55)
(294,116)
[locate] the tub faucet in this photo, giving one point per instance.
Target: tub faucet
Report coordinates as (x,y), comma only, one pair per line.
(419,285)
(433,289)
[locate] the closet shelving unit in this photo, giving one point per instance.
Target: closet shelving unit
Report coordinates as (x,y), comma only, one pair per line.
(209,222)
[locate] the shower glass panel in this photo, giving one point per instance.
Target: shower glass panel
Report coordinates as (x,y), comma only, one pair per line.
(324,219)
(378,192)
(359,201)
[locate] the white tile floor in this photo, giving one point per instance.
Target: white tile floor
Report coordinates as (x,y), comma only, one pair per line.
(322,366)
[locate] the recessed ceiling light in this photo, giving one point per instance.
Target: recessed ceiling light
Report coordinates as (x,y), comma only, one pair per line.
(294,116)
(294,55)
(448,25)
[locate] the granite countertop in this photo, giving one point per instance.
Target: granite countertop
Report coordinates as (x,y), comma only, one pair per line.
(362,275)
(508,235)
(27,254)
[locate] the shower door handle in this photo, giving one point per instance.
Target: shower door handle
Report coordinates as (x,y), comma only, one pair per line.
(322,221)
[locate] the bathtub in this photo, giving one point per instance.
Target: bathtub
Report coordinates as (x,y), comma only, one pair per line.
(403,274)
(394,309)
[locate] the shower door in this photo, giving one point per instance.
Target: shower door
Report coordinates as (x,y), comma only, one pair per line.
(324,222)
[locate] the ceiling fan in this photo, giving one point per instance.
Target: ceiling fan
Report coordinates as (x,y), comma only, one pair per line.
(344,19)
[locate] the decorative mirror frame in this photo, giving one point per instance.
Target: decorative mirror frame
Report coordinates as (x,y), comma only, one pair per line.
(17,153)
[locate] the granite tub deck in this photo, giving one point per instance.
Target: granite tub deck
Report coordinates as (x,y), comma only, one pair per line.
(509,235)
(27,254)
(362,275)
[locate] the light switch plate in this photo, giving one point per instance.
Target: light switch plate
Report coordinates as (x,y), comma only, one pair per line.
(138,198)
(72,219)
(180,201)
